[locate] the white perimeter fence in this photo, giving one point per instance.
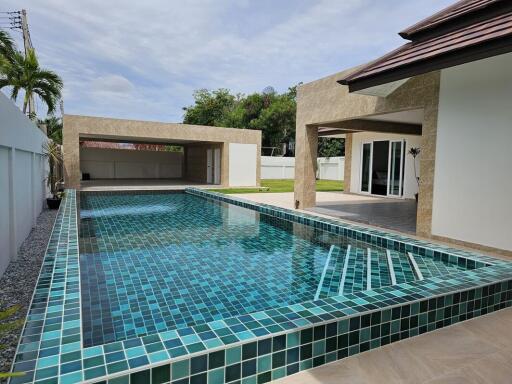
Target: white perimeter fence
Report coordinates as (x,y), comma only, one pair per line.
(22,178)
(329,168)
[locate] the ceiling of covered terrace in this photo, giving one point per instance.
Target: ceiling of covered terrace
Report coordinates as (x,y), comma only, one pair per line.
(402,122)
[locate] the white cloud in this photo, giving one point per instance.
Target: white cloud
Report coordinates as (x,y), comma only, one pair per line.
(144,59)
(113,84)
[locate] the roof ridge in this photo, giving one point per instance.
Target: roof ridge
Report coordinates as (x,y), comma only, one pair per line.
(447,14)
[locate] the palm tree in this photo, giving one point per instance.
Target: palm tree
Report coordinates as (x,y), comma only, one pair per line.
(7,47)
(53,128)
(24,73)
(52,151)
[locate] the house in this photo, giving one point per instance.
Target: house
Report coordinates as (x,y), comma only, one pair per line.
(207,155)
(447,91)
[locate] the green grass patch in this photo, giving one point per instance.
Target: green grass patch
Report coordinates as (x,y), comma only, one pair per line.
(282,185)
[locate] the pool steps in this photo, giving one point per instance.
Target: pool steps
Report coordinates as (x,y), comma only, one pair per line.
(349,269)
(415,267)
(369,269)
(390,267)
(322,278)
(344,273)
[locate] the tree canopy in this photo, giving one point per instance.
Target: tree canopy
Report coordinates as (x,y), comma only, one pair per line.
(271,112)
(22,72)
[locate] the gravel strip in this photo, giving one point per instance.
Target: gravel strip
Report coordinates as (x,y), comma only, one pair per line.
(18,281)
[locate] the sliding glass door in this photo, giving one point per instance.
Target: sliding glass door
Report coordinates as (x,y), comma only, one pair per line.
(396,163)
(382,167)
(366,165)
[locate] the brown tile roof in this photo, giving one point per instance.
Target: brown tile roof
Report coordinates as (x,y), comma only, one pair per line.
(475,34)
(456,10)
(484,36)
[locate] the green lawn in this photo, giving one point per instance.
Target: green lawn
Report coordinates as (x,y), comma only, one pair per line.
(269,186)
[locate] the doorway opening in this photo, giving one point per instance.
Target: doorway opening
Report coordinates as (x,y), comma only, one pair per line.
(382,167)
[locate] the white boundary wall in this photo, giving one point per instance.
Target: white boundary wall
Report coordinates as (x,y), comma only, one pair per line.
(103,163)
(329,168)
(22,178)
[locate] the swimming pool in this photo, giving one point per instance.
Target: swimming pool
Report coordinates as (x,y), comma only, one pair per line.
(199,287)
(156,262)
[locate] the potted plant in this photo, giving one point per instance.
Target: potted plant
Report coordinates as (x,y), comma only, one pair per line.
(414,152)
(51,150)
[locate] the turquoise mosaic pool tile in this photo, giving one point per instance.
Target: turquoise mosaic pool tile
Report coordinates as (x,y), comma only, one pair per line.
(298,337)
(144,270)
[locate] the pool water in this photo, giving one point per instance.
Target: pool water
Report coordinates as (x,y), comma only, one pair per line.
(156,262)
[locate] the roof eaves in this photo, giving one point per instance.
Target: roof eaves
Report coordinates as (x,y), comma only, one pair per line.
(447,15)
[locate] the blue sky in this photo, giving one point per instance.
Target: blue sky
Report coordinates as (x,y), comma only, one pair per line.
(143,60)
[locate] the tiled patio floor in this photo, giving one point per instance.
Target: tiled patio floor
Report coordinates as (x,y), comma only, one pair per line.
(399,215)
(395,214)
(475,351)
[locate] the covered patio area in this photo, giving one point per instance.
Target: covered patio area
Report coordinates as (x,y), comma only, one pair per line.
(107,153)
(394,214)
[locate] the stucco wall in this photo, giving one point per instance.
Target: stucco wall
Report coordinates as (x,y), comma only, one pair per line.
(125,164)
(22,178)
(473,183)
(410,184)
(243,164)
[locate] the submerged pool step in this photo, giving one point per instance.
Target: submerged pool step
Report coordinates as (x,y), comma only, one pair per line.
(414,266)
(353,269)
(402,267)
(430,267)
(380,270)
(332,273)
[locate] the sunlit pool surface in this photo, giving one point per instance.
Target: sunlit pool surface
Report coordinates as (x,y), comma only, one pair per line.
(156,262)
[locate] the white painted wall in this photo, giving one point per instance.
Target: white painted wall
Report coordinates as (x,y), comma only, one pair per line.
(410,184)
(329,168)
(242,164)
(23,172)
(473,174)
(129,164)
(277,167)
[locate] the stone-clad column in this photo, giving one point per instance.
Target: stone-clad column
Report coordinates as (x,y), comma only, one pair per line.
(224,169)
(305,165)
(71,154)
(348,162)
(427,161)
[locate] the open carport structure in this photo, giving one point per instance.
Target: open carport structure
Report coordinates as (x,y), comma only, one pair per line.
(207,155)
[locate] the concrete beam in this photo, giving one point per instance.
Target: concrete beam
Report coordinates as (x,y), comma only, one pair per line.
(361,125)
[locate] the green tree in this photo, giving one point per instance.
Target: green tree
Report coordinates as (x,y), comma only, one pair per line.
(331,147)
(7,46)
(268,111)
(272,113)
(210,107)
(24,73)
(277,121)
(53,128)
